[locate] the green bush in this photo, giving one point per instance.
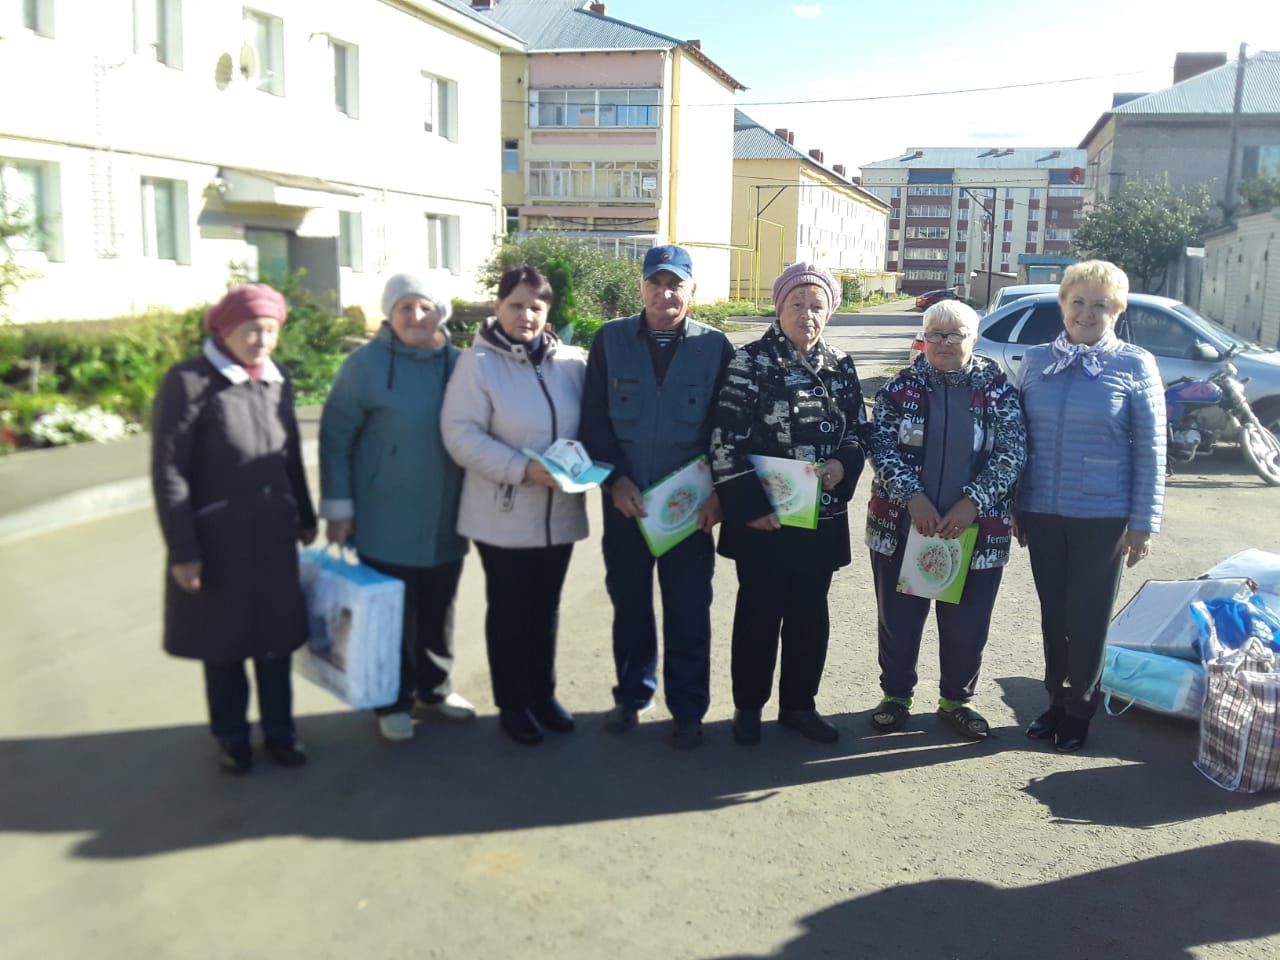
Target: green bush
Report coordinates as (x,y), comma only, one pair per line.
(603,286)
(718,314)
(850,291)
(564,305)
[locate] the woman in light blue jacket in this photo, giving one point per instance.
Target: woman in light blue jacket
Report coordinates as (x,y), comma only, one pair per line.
(1092,492)
(390,489)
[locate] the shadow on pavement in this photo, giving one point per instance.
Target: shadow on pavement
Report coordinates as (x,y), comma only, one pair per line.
(150,791)
(1157,908)
(1159,785)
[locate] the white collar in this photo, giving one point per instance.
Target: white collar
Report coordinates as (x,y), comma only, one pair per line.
(235,372)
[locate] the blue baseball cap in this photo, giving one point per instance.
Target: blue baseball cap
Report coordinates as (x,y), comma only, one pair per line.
(668,257)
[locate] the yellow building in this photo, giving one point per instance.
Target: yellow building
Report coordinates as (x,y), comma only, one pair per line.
(615,134)
(789,207)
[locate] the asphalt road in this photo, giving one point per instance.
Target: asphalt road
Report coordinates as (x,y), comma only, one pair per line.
(119,838)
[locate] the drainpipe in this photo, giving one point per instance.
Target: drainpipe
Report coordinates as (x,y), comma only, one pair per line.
(673,180)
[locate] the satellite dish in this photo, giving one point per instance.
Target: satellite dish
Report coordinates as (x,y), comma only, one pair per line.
(224,71)
(249,65)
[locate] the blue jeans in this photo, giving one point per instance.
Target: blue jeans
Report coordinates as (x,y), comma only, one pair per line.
(684,574)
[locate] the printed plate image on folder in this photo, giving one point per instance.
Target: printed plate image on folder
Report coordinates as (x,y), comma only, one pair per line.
(794,488)
(936,568)
(570,467)
(671,506)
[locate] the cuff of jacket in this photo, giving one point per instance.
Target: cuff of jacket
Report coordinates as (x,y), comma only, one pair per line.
(853,460)
(974,493)
(338,509)
(742,498)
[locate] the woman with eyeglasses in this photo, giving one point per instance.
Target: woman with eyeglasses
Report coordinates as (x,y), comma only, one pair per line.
(1093,492)
(948,443)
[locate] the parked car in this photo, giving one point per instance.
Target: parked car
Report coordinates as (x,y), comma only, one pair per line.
(1184,343)
(927,300)
(1017,291)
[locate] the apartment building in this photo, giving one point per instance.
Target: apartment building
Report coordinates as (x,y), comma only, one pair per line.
(161,144)
(615,134)
(954,210)
(789,206)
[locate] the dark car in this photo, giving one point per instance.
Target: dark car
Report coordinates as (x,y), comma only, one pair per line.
(927,300)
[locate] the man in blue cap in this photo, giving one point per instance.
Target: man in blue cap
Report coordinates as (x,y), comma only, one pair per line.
(646,405)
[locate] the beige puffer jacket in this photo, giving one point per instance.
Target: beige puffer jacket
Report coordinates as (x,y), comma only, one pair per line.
(497,403)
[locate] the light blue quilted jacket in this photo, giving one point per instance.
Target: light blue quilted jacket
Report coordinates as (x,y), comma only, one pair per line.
(1095,448)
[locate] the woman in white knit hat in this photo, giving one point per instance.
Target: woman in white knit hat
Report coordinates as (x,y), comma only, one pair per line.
(390,489)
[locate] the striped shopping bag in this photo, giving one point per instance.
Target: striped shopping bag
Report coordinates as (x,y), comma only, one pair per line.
(1240,722)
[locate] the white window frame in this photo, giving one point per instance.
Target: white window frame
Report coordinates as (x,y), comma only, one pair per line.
(582,107)
(440,118)
(512,222)
(264,34)
(154,246)
(443,242)
(510,156)
(622,181)
(351,240)
(26,16)
(157,31)
(344,58)
(43,212)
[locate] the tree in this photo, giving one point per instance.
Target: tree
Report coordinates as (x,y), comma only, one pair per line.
(1143,228)
(603,286)
(1260,194)
(13,224)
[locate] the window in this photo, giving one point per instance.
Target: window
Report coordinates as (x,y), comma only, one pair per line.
(510,156)
(1260,161)
(28,190)
(928,233)
(1033,213)
(440,107)
(1004,267)
(350,239)
(928,210)
(1059,234)
(264,34)
(895,192)
(164,220)
(595,108)
(346,77)
(962,235)
(1066,191)
(1034,193)
(513,220)
(443,249)
(1008,237)
(157,31)
(929,190)
(37,16)
(594,179)
(1165,335)
(1043,325)
(925,274)
(924,253)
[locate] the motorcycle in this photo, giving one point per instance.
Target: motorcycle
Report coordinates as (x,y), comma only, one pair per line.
(1202,412)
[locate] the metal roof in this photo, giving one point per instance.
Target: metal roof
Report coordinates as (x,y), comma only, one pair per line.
(1214,91)
(547,25)
(753,142)
(464,8)
(970,158)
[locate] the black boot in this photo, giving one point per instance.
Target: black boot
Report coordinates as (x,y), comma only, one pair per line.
(1046,725)
(521,726)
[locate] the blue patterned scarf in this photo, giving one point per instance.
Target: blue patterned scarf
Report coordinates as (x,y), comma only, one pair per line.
(1090,355)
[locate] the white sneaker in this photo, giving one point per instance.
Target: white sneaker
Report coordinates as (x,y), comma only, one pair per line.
(454,706)
(396,727)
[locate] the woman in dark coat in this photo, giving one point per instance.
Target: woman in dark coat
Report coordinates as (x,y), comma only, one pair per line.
(232,499)
(790,394)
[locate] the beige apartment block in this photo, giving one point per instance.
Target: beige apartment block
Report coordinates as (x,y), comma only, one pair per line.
(616,135)
(160,145)
(953,211)
(788,206)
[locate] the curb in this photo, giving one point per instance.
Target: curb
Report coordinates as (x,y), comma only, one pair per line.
(96,503)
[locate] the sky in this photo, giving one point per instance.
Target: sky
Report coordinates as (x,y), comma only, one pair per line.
(790,55)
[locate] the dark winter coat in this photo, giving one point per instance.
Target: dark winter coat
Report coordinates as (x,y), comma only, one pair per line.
(230,492)
(775,404)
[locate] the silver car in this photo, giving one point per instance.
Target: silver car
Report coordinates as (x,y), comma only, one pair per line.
(1184,343)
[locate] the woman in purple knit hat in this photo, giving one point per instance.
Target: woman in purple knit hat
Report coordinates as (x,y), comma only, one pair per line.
(232,500)
(789,394)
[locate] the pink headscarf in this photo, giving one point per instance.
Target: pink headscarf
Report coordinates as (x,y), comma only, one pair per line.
(243,303)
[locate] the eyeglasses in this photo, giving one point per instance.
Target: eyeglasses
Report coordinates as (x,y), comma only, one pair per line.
(954,337)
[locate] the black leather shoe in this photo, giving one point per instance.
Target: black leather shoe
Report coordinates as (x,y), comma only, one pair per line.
(286,753)
(1071,735)
(553,716)
(1046,725)
(746,727)
(236,758)
(808,723)
(521,726)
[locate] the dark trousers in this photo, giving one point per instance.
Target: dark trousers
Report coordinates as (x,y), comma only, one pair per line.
(226,687)
(522,590)
(1076,564)
(962,629)
(426,657)
(684,575)
(773,600)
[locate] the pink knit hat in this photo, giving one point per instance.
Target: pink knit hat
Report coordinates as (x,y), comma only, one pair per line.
(243,303)
(806,274)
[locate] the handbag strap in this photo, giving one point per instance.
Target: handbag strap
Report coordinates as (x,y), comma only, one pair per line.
(1106,705)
